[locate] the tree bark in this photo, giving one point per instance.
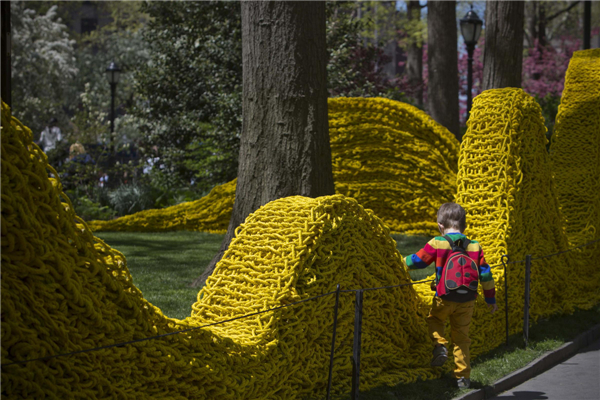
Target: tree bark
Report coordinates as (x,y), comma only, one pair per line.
(6,63)
(284,148)
(503,53)
(442,63)
(414,53)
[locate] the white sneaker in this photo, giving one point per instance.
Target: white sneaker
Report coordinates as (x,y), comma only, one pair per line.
(463,383)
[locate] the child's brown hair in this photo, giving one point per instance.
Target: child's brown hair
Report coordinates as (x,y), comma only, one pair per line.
(452,215)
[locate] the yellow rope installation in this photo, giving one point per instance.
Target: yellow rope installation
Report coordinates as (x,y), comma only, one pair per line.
(390,156)
(505,184)
(575,149)
(64,290)
(394,159)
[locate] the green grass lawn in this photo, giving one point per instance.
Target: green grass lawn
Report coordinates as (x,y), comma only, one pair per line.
(164,264)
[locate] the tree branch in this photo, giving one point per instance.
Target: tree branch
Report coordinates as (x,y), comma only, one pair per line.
(564,10)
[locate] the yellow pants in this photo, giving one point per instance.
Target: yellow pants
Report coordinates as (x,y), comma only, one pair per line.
(460,319)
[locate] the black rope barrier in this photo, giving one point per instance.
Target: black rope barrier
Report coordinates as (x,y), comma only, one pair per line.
(566,251)
(167,334)
(387,287)
(273,309)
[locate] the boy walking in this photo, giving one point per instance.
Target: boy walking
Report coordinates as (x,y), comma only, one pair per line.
(459,264)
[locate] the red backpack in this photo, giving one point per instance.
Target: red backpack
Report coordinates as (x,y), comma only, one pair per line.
(460,274)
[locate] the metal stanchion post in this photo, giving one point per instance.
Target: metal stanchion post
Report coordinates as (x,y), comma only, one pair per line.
(356,348)
(527,295)
(505,260)
(335,315)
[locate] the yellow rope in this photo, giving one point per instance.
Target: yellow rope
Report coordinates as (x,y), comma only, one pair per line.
(390,156)
(576,147)
(65,290)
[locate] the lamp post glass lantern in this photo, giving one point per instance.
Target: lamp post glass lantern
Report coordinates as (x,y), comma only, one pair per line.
(112,74)
(470,28)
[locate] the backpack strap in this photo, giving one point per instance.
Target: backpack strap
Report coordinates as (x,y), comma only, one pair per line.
(465,243)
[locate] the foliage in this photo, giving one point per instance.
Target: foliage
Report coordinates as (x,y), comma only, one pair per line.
(196,55)
(130,198)
(354,67)
(380,21)
(120,40)
(196,59)
(43,62)
(87,208)
(544,69)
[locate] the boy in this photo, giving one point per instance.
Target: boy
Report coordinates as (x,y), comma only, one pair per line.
(451,219)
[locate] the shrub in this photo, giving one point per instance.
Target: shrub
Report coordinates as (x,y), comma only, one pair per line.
(130,198)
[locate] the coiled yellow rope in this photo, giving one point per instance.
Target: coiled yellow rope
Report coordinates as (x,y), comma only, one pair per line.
(390,156)
(65,290)
(575,150)
(505,183)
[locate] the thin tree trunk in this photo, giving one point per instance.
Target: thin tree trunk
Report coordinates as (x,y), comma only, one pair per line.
(442,63)
(284,148)
(414,53)
(503,53)
(542,21)
(531,12)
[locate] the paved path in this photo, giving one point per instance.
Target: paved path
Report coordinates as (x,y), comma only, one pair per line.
(577,378)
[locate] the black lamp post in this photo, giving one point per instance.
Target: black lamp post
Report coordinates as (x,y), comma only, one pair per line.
(112,73)
(470,28)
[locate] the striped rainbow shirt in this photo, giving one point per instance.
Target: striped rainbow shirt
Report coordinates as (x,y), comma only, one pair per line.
(438,250)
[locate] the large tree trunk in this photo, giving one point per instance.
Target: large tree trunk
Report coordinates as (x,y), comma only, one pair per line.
(6,63)
(414,53)
(442,63)
(284,148)
(503,53)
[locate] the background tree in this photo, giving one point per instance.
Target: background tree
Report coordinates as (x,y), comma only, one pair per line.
(191,91)
(285,139)
(414,51)
(195,50)
(503,53)
(545,20)
(442,64)
(43,64)
(354,67)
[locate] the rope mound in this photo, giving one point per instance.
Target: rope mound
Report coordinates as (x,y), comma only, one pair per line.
(506,184)
(390,156)
(394,159)
(575,147)
(64,290)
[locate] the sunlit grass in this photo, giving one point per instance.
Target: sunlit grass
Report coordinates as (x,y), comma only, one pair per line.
(163,265)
